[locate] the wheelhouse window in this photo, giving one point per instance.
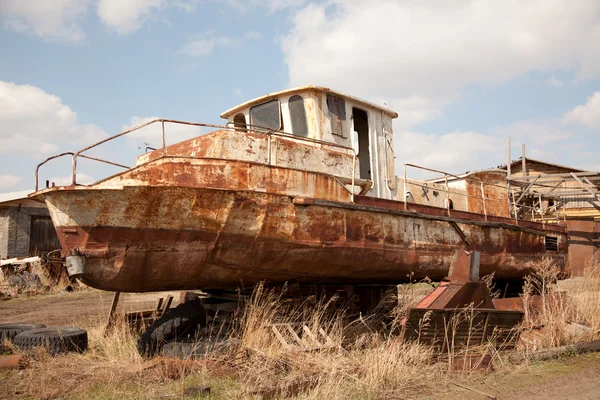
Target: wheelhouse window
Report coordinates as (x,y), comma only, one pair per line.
(239,122)
(337,115)
(298,116)
(266,115)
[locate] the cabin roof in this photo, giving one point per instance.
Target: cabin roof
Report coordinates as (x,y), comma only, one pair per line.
(262,99)
(518,162)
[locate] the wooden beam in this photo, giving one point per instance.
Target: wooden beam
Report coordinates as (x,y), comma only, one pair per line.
(526,190)
(110,321)
(595,175)
(585,185)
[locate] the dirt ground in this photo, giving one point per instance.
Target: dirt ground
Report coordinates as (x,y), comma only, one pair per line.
(570,378)
(573,377)
(83,308)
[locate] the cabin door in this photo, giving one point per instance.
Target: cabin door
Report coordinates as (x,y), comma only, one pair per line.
(361,138)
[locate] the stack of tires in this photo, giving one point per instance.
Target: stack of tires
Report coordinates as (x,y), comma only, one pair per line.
(56,340)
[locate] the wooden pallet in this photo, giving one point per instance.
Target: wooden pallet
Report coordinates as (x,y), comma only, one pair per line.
(299,337)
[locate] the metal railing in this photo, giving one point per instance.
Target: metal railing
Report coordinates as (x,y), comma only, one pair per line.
(513,207)
(247,128)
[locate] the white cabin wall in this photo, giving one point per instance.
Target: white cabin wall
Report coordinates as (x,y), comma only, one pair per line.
(377,162)
(314,114)
(325,124)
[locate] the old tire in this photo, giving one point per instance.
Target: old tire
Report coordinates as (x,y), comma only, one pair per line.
(55,340)
(178,321)
(9,331)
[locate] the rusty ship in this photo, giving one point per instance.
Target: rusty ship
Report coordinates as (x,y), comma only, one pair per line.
(298,185)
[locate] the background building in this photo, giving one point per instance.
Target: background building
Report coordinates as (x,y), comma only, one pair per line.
(25,227)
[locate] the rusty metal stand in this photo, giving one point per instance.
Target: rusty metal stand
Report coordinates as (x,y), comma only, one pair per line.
(462,305)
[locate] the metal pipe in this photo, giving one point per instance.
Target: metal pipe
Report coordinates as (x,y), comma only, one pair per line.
(257,129)
(405,198)
(509,162)
(74,172)
(164,145)
(353,173)
(447,195)
(269,144)
(37,169)
(515,209)
(508,174)
(541,210)
(483,200)
(523,162)
(452,175)
(104,161)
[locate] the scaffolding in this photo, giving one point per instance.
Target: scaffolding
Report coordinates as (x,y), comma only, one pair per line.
(548,197)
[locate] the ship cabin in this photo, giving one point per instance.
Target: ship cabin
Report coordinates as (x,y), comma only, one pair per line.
(347,136)
(320,130)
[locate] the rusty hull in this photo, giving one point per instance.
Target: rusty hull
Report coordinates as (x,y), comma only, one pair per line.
(232,208)
(182,223)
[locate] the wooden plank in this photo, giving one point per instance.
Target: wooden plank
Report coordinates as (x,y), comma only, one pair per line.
(280,337)
(110,321)
(294,335)
(167,305)
(312,336)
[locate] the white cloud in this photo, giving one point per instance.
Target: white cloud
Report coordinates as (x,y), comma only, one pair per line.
(587,114)
(82,179)
(252,35)
(151,135)
(270,5)
(460,151)
(48,19)
(454,152)
(207,41)
(9,182)
(35,123)
(126,16)
(188,6)
(205,45)
(401,50)
(275,5)
(535,132)
(554,81)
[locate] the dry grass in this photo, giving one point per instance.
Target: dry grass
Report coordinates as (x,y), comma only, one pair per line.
(365,359)
(556,316)
(371,367)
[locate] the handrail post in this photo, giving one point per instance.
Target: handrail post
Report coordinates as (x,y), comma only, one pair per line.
(448,194)
(541,210)
(405,197)
(483,200)
(74,176)
(164,145)
(515,208)
(353,173)
(269,142)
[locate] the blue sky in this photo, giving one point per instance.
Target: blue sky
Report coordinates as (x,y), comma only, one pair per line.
(463,76)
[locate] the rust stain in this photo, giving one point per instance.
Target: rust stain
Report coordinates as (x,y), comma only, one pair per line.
(236,207)
(162,238)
